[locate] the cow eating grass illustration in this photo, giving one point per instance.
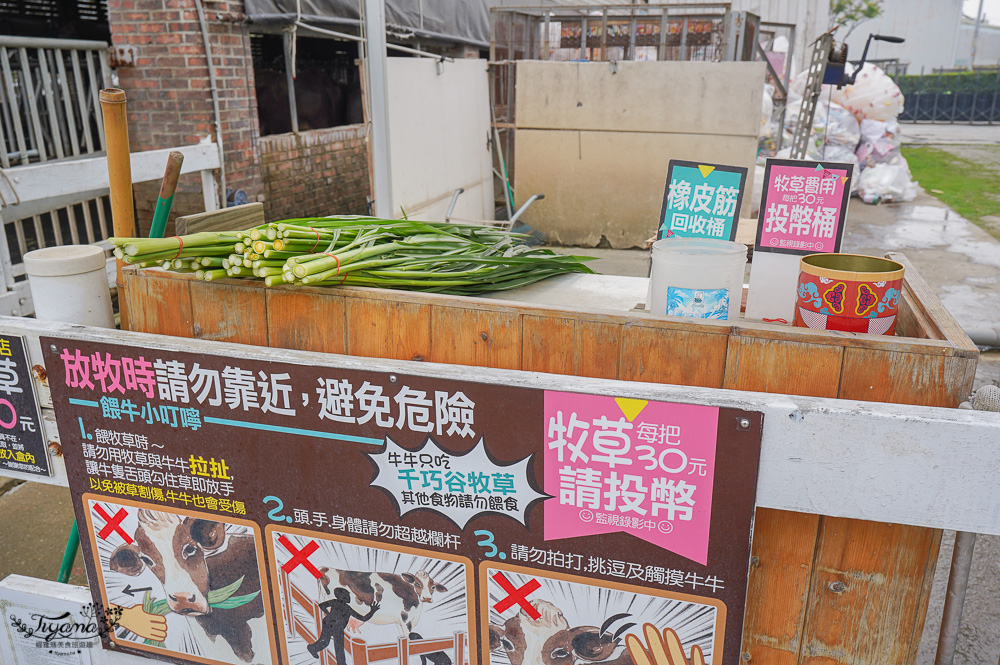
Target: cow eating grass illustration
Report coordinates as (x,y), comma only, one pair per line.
(206,574)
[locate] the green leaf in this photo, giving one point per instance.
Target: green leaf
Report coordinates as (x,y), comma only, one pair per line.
(160,607)
(216,596)
(235,601)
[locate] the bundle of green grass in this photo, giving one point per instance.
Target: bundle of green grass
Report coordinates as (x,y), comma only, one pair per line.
(438,257)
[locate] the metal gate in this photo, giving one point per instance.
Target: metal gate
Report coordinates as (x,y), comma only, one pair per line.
(952,97)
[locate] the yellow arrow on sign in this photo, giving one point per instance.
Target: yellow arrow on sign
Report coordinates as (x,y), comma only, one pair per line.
(705,170)
(631,407)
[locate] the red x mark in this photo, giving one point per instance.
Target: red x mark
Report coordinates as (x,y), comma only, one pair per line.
(111,523)
(300,557)
(515,595)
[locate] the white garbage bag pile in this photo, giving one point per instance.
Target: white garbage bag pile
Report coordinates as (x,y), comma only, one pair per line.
(858,126)
(872,96)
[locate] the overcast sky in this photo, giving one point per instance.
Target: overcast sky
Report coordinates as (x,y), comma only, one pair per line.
(990,7)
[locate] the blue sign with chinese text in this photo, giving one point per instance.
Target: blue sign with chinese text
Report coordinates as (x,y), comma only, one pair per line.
(701,201)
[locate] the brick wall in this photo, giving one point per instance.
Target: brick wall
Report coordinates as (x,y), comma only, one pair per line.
(169,99)
(319,172)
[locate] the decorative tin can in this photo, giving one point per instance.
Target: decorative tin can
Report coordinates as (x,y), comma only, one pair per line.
(848,292)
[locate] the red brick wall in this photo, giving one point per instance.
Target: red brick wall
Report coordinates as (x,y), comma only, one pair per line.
(169,99)
(319,172)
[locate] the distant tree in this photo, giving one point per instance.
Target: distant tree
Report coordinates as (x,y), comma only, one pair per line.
(851,13)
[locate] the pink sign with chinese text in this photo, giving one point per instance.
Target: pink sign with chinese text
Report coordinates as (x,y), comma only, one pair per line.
(803,207)
(644,468)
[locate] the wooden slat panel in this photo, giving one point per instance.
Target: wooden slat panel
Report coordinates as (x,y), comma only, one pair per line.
(783,548)
(546,344)
(660,355)
(379,328)
(229,311)
(774,366)
(881,567)
(236,218)
(906,378)
(598,349)
(470,336)
(158,305)
(570,346)
(306,320)
(912,321)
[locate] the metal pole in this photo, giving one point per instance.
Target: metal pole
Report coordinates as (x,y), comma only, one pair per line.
(545,36)
(958,583)
(975,36)
(378,93)
(293,108)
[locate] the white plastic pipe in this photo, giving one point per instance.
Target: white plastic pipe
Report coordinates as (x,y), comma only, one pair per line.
(70,284)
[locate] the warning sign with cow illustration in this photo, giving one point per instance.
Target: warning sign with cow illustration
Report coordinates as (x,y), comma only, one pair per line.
(194,581)
(370,601)
(245,510)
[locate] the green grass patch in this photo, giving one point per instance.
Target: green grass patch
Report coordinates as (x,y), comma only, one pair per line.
(972,189)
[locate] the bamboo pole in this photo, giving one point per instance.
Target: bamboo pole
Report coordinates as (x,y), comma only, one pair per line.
(120,177)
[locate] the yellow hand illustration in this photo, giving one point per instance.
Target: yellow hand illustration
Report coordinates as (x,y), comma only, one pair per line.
(151,627)
(663,649)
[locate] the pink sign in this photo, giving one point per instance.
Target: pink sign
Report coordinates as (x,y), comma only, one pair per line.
(644,468)
(803,207)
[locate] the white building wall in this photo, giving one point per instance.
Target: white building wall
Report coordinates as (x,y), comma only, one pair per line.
(987,46)
(439,124)
(930,28)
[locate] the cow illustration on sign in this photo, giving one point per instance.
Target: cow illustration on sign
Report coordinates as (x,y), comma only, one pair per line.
(371,598)
(202,575)
(573,621)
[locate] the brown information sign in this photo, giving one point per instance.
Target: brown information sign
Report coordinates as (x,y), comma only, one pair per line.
(246,511)
(22,445)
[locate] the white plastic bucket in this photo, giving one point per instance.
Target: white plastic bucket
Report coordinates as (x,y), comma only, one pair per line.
(697,277)
(70,284)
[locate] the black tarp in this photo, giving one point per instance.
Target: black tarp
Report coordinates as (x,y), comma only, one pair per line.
(460,21)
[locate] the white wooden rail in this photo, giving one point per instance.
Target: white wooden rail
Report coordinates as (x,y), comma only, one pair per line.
(40,187)
(914,465)
(36,189)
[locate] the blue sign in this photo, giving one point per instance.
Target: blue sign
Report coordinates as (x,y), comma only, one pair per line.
(701,201)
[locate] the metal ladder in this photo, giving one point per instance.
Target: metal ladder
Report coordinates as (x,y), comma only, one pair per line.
(810,97)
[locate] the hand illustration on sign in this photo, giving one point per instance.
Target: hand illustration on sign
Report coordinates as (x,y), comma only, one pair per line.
(152,627)
(665,649)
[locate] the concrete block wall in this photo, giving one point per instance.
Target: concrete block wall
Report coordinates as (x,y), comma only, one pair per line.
(169,98)
(320,172)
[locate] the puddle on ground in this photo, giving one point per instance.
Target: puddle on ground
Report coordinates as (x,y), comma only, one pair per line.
(927,227)
(972,306)
(981,281)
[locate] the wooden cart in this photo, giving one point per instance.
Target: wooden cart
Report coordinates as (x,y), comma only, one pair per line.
(822,589)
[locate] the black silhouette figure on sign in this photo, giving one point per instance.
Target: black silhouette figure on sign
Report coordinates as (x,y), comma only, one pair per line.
(435,657)
(338,615)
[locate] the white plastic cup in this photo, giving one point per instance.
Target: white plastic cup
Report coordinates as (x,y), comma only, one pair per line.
(70,284)
(697,277)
